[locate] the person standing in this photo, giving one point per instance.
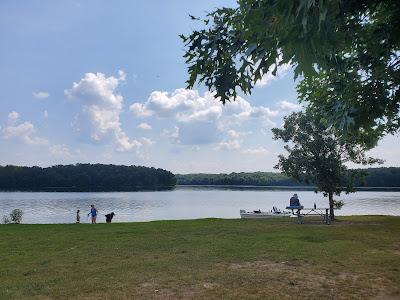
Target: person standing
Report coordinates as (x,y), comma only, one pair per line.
(93,213)
(78,217)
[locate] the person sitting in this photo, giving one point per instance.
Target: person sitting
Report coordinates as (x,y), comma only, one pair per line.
(295,204)
(109,217)
(294,201)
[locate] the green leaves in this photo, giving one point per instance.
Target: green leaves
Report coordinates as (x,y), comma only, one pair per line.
(346,52)
(316,155)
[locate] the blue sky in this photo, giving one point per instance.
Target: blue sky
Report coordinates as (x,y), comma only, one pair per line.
(104,81)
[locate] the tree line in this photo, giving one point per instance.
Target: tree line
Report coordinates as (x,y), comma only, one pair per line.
(374,177)
(84,177)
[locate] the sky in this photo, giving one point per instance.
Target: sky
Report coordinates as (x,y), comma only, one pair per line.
(104,82)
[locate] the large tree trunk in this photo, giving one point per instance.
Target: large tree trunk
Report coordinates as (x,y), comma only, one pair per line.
(331,211)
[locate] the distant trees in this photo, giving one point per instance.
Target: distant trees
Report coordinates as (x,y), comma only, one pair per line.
(374,177)
(84,177)
(242,178)
(317,156)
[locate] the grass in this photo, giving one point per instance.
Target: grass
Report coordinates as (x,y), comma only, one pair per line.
(356,257)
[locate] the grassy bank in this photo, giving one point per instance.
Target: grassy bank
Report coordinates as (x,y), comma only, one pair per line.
(357,257)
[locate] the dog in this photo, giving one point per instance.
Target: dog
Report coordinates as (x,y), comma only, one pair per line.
(109,217)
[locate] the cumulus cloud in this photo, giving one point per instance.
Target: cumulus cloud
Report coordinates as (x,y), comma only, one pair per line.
(237,134)
(25,132)
(200,119)
(257,112)
(60,150)
(40,95)
(101,109)
(172,135)
(183,104)
(229,145)
(269,77)
(13,117)
(255,151)
(144,126)
(147,141)
(286,105)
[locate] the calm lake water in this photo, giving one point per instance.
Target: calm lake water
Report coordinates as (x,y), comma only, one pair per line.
(182,203)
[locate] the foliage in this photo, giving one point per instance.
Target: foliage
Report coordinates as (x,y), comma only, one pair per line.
(16,216)
(84,177)
(382,177)
(338,204)
(347,53)
(242,178)
(374,177)
(6,220)
(317,156)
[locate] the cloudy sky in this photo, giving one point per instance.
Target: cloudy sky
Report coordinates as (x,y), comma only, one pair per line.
(104,82)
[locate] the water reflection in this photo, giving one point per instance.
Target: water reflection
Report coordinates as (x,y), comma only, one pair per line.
(182,203)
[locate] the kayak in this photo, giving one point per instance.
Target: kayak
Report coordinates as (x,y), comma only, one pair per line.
(258,214)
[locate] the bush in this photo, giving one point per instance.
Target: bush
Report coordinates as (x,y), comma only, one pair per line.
(338,204)
(6,220)
(16,216)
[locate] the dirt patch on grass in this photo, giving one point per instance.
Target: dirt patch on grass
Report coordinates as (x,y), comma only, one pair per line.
(274,279)
(296,279)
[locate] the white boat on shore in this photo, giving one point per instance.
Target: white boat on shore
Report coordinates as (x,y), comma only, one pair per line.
(258,214)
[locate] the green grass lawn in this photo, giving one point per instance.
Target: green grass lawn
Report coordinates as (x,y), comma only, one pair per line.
(356,257)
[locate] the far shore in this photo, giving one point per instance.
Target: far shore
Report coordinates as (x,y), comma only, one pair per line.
(195,186)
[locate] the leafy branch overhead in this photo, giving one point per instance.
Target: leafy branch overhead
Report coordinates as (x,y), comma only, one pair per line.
(346,53)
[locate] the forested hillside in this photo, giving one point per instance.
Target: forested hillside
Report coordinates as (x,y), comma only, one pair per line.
(84,177)
(256,178)
(376,177)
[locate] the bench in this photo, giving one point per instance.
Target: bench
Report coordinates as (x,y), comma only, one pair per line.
(302,212)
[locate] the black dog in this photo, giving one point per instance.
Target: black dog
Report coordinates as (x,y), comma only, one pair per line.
(109,217)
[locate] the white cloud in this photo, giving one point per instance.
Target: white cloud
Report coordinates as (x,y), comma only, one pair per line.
(172,135)
(229,145)
(25,132)
(183,104)
(237,134)
(40,95)
(147,141)
(188,106)
(60,150)
(140,110)
(269,77)
(101,108)
(286,105)
(261,112)
(144,126)
(201,119)
(255,151)
(45,114)
(13,117)
(122,75)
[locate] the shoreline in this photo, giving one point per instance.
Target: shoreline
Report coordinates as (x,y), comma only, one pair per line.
(339,217)
(200,187)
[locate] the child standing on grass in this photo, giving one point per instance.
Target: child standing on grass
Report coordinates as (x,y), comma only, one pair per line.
(78,217)
(93,212)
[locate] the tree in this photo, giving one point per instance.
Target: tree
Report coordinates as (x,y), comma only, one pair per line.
(347,53)
(317,156)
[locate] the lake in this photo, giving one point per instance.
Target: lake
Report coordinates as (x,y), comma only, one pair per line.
(182,203)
